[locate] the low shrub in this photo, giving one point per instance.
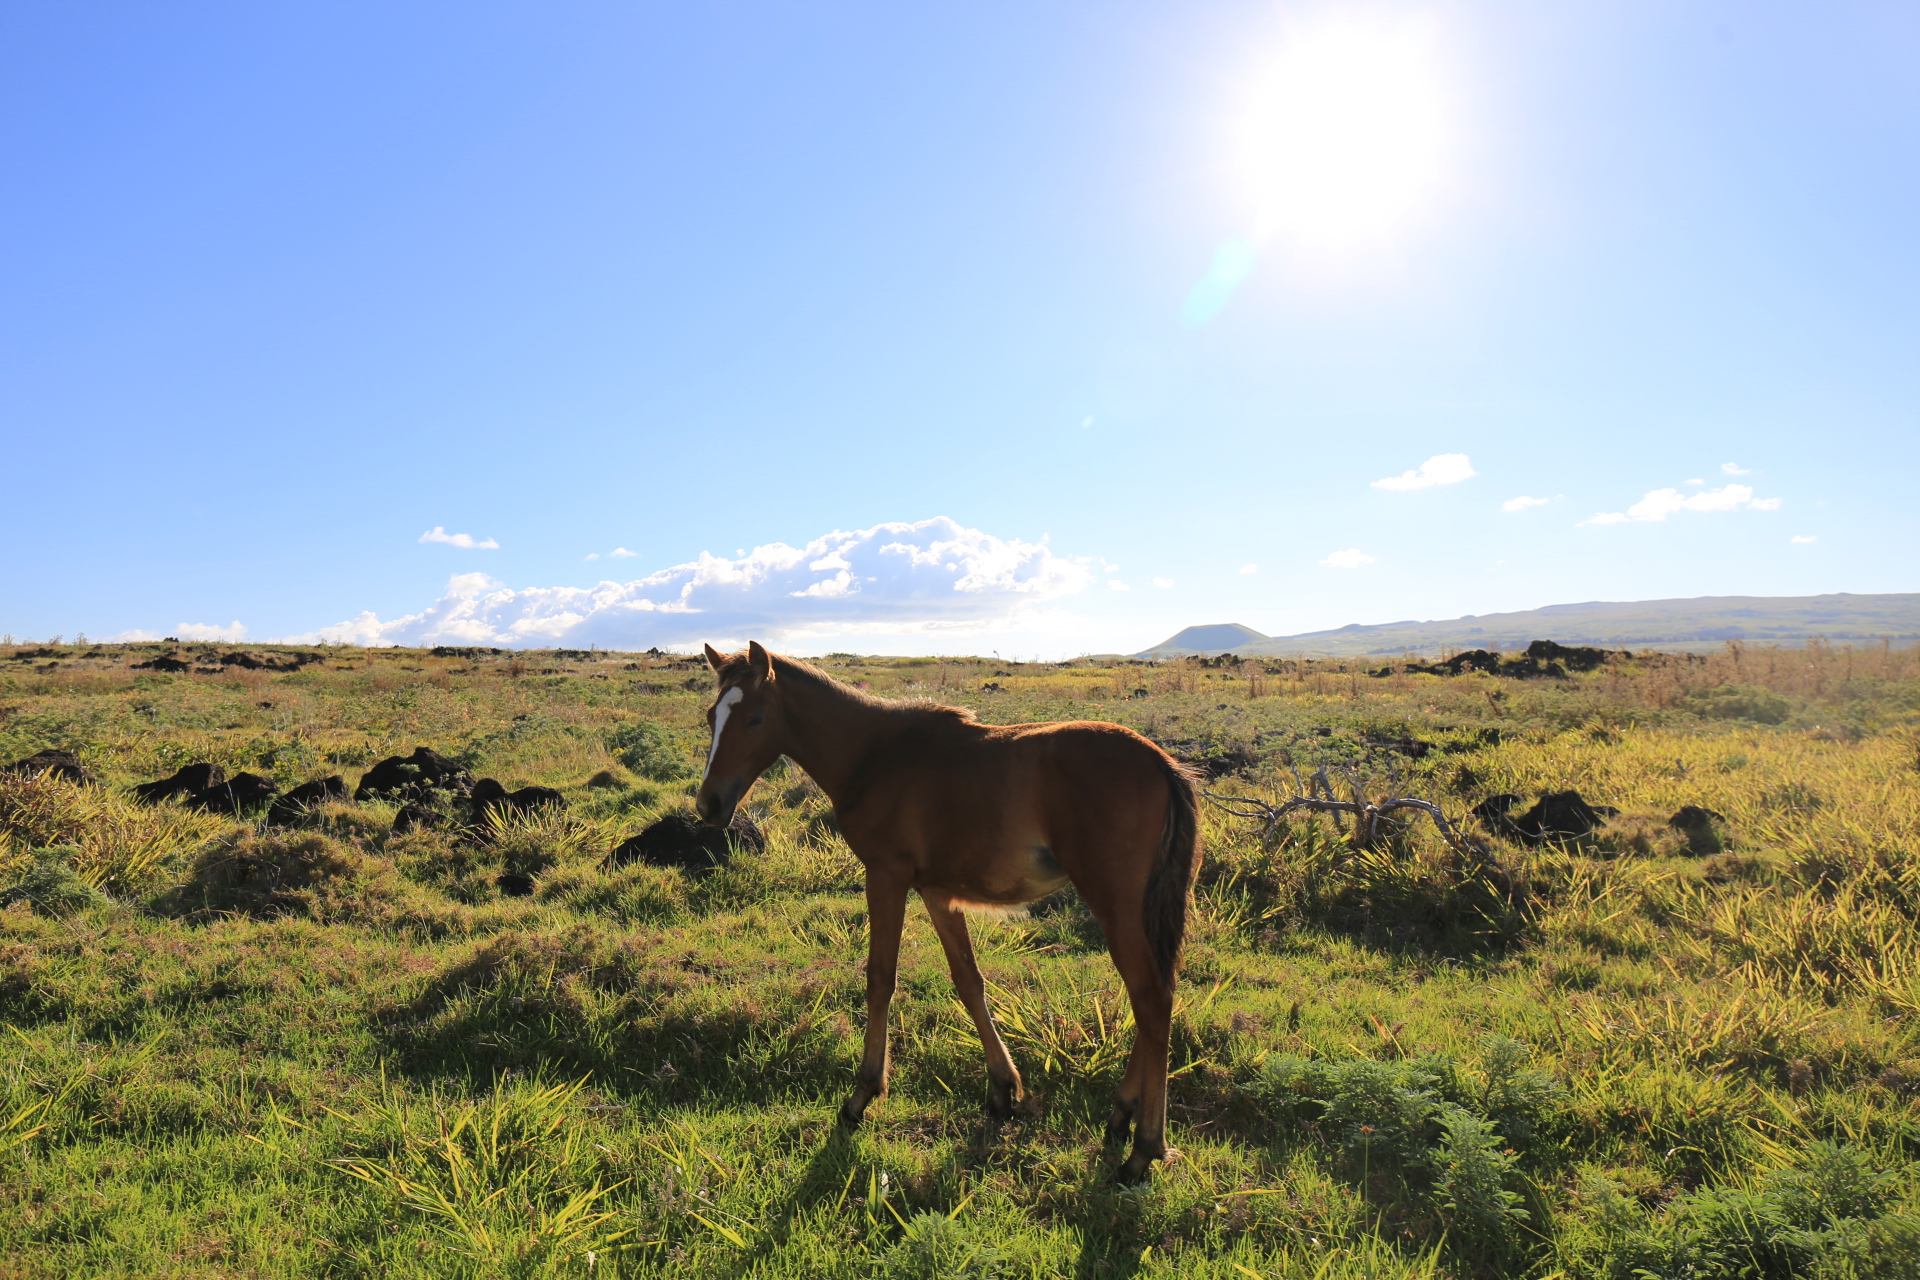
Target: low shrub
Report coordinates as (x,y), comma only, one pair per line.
(1419,1131)
(1826,1215)
(650,750)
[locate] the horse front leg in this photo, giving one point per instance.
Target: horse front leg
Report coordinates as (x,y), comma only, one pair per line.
(886,915)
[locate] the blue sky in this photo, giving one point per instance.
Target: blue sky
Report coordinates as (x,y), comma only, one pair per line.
(1041,297)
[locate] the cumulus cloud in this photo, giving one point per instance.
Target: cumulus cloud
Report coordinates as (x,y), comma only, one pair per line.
(1114,584)
(621,553)
(1163,583)
(1249,567)
(233,631)
(1734,469)
(1441,468)
(932,577)
(1661,503)
(1801,539)
(463,540)
(1351,558)
(1522,503)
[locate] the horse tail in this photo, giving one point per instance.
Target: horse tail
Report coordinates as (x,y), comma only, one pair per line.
(1170,885)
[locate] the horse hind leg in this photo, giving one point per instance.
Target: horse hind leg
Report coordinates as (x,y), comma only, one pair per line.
(1142,1098)
(1003,1087)
(886,915)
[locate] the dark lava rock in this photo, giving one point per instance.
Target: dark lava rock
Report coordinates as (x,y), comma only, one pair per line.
(62,764)
(416,816)
(1557,816)
(1412,748)
(489,794)
(1697,824)
(237,794)
(682,840)
(295,804)
(1492,813)
(1561,815)
(515,884)
(461,651)
(487,791)
(165,662)
(528,799)
(195,777)
(412,777)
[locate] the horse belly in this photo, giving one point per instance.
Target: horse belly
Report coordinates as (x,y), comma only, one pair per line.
(1022,874)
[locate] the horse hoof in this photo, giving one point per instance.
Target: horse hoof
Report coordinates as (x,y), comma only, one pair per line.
(1134,1172)
(1119,1128)
(1000,1103)
(848,1117)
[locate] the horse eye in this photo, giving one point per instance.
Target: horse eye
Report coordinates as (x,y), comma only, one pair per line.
(753,722)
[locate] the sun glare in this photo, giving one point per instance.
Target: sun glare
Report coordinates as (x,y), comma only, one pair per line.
(1349,132)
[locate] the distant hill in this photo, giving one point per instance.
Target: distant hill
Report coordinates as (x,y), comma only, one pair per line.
(1218,637)
(1702,623)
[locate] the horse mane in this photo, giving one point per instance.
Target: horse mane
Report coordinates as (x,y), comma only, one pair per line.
(736,666)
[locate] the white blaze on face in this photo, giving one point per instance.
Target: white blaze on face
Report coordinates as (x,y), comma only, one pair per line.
(720,712)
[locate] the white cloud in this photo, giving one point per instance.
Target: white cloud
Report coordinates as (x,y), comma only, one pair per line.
(132,637)
(231,633)
(464,540)
(621,553)
(1522,503)
(1734,469)
(1661,503)
(1441,468)
(1695,480)
(1249,567)
(1163,583)
(1114,584)
(592,555)
(1351,558)
(934,577)
(1801,539)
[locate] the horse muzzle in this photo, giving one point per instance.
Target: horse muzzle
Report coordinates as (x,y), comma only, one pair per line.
(716,806)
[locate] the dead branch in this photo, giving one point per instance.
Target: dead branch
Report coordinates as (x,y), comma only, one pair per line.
(1317,796)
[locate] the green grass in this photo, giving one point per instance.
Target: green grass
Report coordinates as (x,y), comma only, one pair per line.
(333,1051)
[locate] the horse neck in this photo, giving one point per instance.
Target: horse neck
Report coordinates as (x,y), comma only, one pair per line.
(829,732)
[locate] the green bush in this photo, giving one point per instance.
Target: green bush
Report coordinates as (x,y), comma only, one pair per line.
(1420,1126)
(649,749)
(1740,702)
(51,885)
(934,1246)
(1827,1215)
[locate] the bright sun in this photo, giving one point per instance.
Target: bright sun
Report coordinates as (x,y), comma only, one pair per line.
(1350,132)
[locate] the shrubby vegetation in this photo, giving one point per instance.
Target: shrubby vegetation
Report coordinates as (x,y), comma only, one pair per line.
(327,1048)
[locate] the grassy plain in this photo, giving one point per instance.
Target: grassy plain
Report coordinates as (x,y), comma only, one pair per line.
(233,1050)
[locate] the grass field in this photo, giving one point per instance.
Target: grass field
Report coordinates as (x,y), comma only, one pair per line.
(237,1050)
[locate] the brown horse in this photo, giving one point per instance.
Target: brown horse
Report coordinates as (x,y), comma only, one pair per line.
(974,815)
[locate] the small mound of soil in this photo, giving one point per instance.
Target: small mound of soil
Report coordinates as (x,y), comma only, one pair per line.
(412,777)
(197,776)
(682,840)
(236,795)
(265,876)
(62,764)
(1700,826)
(297,803)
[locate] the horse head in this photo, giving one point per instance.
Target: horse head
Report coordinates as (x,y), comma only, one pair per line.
(747,731)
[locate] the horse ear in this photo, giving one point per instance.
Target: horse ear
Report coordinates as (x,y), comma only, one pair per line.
(760,659)
(714,659)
